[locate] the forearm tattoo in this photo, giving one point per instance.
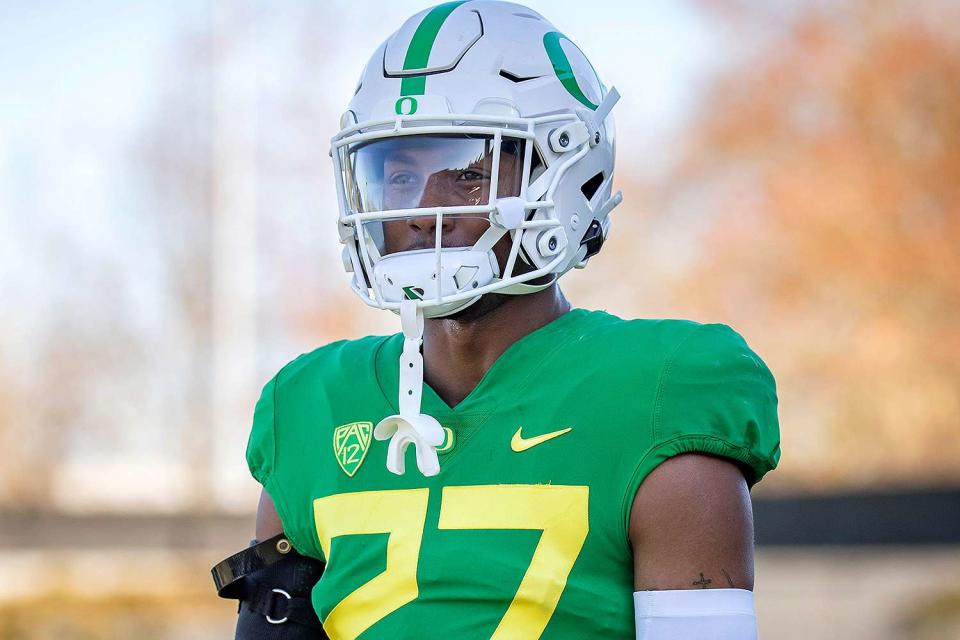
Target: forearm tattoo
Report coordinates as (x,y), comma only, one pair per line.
(704,582)
(727,576)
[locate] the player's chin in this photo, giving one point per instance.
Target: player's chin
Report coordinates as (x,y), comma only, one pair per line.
(488,303)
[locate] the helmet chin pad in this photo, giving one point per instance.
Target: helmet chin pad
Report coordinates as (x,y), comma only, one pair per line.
(413,275)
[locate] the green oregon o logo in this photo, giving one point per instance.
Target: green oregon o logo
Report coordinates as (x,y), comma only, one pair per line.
(405,106)
(563,68)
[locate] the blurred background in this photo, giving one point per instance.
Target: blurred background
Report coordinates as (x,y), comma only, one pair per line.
(167,242)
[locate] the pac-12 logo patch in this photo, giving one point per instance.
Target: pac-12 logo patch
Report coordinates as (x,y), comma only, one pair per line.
(350,445)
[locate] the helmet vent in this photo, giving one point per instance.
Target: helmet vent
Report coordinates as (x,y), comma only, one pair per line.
(590,187)
(512,77)
(528,15)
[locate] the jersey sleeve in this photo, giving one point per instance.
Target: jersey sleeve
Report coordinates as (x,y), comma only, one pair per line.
(715,396)
(262,459)
(261,446)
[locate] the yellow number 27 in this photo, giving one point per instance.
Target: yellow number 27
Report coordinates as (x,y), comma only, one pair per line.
(559,511)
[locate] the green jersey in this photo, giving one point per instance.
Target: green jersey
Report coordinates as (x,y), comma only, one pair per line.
(523,533)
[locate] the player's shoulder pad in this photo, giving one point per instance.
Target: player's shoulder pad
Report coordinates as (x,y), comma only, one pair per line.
(718,353)
(330,364)
(334,359)
(716,395)
(603,328)
(635,341)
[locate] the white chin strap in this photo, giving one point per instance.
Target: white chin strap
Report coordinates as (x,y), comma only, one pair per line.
(411,426)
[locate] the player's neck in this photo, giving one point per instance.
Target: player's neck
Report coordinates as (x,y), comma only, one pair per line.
(458,353)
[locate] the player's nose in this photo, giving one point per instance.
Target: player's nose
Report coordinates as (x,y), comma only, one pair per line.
(436,193)
(427,224)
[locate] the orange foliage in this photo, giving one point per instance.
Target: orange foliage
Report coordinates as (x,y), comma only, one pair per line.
(828,168)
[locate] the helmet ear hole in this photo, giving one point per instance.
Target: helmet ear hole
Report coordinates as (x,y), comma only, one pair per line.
(589,188)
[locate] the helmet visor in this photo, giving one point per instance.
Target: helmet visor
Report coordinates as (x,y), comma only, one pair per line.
(430,171)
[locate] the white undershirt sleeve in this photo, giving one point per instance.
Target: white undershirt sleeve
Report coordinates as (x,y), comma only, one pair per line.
(718,614)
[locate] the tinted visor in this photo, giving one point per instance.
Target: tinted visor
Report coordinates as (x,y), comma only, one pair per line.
(426,171)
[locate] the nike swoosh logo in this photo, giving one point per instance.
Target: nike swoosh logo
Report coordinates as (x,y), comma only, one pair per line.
(518,443)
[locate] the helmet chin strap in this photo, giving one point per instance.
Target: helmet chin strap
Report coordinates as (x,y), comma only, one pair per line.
(522,288)
(410,426)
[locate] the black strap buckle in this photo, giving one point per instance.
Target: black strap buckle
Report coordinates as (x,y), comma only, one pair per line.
(592,239)
(272,606)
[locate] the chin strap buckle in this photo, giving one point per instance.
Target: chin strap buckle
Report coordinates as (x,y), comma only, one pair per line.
(410,426)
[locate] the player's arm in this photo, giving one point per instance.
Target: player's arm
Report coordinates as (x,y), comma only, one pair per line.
(691,528)
(272,580)
(275,599)
(268,522)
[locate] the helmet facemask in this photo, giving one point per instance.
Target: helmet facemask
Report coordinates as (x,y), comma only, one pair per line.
(426,208)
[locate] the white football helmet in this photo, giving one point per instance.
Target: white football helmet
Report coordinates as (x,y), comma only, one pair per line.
(477,109)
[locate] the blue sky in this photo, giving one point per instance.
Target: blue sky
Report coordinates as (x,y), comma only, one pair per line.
(92,63)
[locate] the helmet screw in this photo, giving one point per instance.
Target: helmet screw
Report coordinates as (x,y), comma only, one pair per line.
(596,138)
(564,139)
(552,243)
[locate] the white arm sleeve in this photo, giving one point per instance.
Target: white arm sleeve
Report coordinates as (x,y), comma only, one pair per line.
(718,614)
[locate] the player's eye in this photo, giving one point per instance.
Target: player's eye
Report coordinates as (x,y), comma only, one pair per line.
(403,179)
(469,175)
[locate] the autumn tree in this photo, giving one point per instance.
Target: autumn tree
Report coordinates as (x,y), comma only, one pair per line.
(823,168)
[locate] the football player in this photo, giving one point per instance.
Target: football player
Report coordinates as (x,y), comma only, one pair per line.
(506,466)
